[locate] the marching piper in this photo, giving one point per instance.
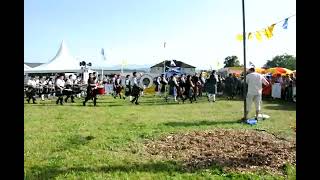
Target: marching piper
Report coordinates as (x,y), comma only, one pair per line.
(59,86)
(31,92)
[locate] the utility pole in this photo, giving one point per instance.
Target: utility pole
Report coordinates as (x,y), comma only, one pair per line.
(244,59)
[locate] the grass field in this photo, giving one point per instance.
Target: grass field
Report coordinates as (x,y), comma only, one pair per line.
(106,142)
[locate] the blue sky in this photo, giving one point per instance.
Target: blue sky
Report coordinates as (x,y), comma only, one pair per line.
(198,32)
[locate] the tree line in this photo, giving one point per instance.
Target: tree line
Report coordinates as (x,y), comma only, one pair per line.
(284,60)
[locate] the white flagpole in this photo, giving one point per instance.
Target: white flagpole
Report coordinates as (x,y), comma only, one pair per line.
(164,62)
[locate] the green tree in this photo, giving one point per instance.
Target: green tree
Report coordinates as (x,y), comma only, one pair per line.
(231,61)
(285,61)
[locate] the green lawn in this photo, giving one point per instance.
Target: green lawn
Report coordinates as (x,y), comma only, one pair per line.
(106,142)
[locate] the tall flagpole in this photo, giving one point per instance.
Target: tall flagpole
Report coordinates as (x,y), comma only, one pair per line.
(244,59)
(164,62)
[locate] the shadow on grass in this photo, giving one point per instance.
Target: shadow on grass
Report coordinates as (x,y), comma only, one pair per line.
(287,106)
(200,123)
(50,172)
(215,164)
(73,142)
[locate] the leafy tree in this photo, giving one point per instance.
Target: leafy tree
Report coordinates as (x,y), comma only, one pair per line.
(285,61)
(231,61)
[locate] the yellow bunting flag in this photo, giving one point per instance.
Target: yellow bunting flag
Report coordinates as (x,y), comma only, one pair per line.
(258,36)
(250,36)
(270,28)
(239,37)
(267,33)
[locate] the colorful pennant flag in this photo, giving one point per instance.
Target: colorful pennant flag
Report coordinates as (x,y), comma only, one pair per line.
(270,28)
(239,37)
(250,36)
(285,24)
(267,32)
(258,36)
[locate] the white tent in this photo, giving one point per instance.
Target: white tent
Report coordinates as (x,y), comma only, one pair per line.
(26,67)
(62,62)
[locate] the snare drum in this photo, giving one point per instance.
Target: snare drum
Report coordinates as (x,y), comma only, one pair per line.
(100,90)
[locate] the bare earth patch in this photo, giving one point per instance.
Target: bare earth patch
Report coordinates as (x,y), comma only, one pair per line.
(233,150)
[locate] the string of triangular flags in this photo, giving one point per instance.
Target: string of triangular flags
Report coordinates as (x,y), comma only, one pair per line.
(267,32)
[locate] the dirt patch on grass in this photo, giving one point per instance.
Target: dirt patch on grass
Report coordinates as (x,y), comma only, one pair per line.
(233,150)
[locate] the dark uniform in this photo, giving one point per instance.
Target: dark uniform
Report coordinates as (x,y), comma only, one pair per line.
(135,91)
(91,91)
(31,91)
(59,90)
(69,90)
(229,87)
(127,87)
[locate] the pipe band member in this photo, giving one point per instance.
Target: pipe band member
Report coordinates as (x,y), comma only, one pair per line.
(173,90)
(135,89)
(59,86)
(31,91)
(163,83)
(69,89)
(91,91)
(128,89)
(182,87)
(117,86)
(211,86)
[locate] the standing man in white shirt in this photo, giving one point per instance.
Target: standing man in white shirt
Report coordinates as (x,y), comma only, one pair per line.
(254,81)
(59,88)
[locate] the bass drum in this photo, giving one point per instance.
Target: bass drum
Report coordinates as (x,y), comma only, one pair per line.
(146,81)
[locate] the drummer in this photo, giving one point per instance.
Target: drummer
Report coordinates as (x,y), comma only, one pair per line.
(69,89)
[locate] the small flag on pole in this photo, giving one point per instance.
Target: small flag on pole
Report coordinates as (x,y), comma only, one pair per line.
(251,64)
(172,63)
(285,24)
(124,62)
(102,53)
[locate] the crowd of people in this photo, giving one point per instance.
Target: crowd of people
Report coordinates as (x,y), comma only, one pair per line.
(73,86)
(193,87)
(179,88)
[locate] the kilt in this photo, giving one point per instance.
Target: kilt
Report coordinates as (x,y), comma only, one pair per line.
(67,92)
(127,91)
(135,91)
(59,92)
